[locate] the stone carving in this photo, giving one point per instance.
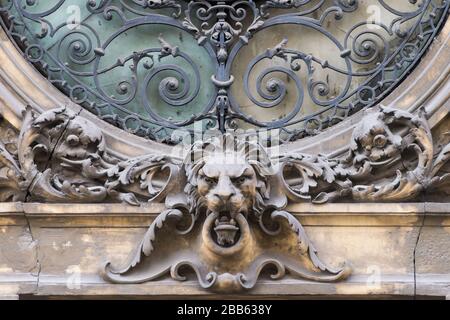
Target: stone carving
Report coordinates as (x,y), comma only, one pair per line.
(10,173)
(390,159)
(62,158)
(230,219)
(227,202)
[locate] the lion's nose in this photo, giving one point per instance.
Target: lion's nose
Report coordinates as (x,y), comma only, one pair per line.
(224,196)
(223,190)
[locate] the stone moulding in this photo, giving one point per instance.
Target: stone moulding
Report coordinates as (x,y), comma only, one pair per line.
(226,201)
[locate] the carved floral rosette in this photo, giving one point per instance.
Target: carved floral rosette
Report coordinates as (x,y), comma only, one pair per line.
(226,217)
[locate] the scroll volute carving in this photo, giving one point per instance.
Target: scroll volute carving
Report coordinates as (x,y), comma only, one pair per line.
(226,217)
(239,226)
(62,157)
(390,158)
(232,231)
(11,181)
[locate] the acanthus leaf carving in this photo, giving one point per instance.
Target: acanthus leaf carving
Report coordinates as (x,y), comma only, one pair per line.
(227,201)
(11,180)
(390,159)
(62,157)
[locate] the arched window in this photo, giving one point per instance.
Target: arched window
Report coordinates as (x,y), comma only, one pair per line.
(151,67)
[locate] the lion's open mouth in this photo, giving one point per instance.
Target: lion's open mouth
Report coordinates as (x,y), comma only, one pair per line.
(225,215)
(226,229)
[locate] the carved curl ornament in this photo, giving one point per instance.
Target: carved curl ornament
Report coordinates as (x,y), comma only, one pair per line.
(226,218)
(209,64)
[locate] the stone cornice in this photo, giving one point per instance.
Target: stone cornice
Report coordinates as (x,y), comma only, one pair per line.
(122,215)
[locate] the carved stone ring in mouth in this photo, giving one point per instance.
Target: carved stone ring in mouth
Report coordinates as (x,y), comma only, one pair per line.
(236,229)
(226,230)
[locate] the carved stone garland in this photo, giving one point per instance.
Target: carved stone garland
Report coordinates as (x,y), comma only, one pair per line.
(226,202)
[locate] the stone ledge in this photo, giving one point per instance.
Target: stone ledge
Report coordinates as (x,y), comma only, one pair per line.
(94,286)
(341,214)
(357,286)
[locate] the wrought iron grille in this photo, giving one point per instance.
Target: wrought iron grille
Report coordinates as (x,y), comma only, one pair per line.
(154,66)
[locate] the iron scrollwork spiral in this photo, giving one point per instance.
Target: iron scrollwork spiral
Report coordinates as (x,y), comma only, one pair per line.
(152,67)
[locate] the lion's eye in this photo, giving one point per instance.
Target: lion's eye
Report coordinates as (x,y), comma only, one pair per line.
(240,180)
(210,180)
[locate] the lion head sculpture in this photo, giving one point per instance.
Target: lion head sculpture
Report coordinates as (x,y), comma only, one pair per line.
(227,176)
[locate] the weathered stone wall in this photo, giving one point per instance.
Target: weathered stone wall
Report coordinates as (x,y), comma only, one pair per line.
(58,250)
